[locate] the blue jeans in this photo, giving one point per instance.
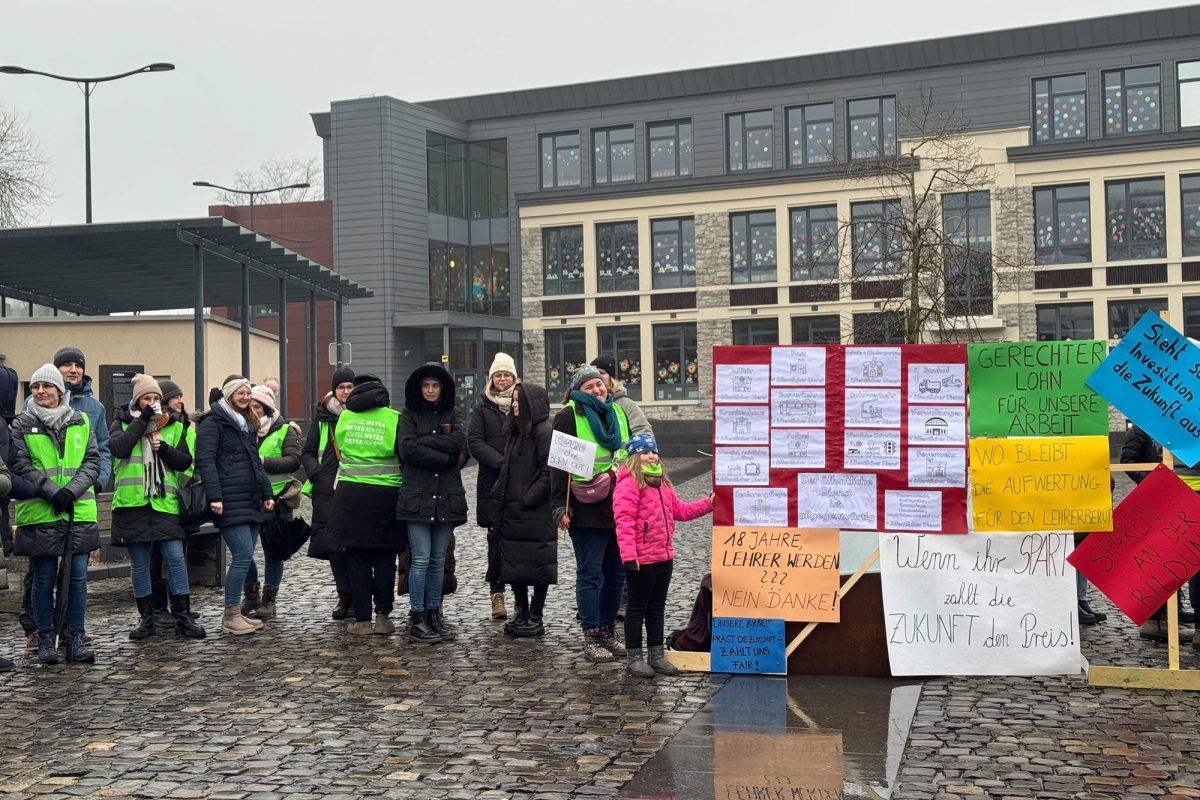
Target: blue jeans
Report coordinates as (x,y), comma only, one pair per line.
(240,541)
(428,542)
(599,576)
(139,566)
(1081,584)
(273,570)
(45,575)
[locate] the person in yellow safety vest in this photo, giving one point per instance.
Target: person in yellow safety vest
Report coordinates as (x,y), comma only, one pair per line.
(320,462)
(54,449)
(151,453)
(363,519)
(590,414)
(279,449)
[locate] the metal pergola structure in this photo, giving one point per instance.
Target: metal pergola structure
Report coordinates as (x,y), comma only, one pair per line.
(170,264)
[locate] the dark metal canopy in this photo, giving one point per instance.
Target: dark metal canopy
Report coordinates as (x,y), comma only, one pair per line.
(147,266)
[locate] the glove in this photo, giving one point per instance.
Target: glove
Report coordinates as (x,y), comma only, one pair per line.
(147,414)
(632,566)
(63,500)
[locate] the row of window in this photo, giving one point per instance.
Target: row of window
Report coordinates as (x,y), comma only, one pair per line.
(1135,220)
(467,180)
(12,307)
(1060,321)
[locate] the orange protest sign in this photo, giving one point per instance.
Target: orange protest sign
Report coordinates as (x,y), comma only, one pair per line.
(776,573)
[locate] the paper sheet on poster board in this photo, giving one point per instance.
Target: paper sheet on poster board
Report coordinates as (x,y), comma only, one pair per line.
(980,604)
(912,511)
(572,454)
(743,424)
(837,500)
(748,646)
(943,467)
(797,448)
(798,366)
(873,366)
(1154,547)
(798,408)
(776,573)
(870,448)
(872,408)
(1041,484)
(742,383)
(1036,389)
(742,466)
(766,507)
(941,425)
(937,383)
(1153,377)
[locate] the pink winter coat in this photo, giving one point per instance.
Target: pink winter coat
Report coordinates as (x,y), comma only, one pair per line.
(646,519)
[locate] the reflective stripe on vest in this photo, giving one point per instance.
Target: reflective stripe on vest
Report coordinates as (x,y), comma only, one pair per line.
(272,447)
(604,456)
(322,443)
(129,491)
(61,469)
(367,442)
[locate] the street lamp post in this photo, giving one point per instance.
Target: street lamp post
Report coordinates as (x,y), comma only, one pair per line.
(88,85)
(252,192)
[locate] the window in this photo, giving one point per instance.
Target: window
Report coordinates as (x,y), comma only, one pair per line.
(617,257)
(1060,108)
(446,164)
(566,351)
(756,331)
(560,160)
(670,149)
(871,126)
(810,134)
(1136,219)
(562,260)
(814,243)
(749,140)
(612,155)
(1189,93)
(16,308)
(879,327)
(1061,321)
(624,344)
(1124,314)
(1132,101)
(449,276)
(817,329)
(967,225)
(489,179)
(752,246)
(1063,221)
(674,251)
(489,280)
(876,244)
(1191,317)
(676,371)
(1189,188)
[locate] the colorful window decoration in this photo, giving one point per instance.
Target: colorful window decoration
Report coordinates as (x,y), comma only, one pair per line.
(674,253)
(1136,219)
(676,369)
(814,243)
(752,246)
(560,160)
(562,260)
(1063,228)
(566,351)
(612,151)
(875,240)
(871,125)
(617,257)
(750,144)
(624,344)
(670,149)
(1132,101)
(1060,108)
(810,134)
(1124,314)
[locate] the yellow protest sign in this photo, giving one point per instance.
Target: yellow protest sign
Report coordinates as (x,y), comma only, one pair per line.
(1041,484)
(776,573)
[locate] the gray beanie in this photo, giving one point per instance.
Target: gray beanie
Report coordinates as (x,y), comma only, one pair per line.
(48,373)
(582,375)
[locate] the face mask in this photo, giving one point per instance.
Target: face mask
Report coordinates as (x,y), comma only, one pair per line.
(652,470)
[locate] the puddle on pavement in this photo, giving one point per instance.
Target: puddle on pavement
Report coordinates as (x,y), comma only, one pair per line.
(802,738)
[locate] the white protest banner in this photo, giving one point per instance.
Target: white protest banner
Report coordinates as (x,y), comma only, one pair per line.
(980,604)
(572,455)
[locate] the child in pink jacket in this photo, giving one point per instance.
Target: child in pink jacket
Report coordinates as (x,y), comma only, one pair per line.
(645,507)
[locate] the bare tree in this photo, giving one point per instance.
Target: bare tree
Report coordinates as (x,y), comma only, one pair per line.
(279,172)
(24,187)
(923,251)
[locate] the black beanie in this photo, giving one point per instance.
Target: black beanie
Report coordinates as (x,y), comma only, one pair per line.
(169,389)
(67,354)
(341,375)
(606,363)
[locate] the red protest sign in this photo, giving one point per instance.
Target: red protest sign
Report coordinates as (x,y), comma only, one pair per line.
(1153,549)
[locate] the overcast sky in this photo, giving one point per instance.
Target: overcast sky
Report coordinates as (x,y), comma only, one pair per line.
(250,72)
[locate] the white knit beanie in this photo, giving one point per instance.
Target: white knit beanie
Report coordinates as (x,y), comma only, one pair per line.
(503,362)
(48,373)
(232,384)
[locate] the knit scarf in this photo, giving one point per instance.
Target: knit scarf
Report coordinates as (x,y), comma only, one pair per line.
(601,419)
(154,472)
(333,406)
(238,419)
(53,418)
(266,423)
(652,470)
(502,399)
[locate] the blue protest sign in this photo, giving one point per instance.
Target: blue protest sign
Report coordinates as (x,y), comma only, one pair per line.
(747,645)
(1153,377)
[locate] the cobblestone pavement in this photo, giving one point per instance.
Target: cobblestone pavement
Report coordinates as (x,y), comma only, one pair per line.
(304,711)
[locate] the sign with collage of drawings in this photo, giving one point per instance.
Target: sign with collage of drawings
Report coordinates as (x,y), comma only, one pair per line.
(870,438)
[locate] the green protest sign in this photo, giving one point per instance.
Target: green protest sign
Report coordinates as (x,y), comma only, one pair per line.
(1035,389)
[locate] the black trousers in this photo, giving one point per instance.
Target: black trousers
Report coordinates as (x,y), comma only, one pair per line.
(372,578)
(339,565)
(521,593)
(647,603)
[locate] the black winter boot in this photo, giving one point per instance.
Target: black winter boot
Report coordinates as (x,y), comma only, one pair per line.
(658,661)
(77,651)
(520,613)
(342,609)
(164,622)
(185,624)
(251,599)
(47,653)
(419,630)
(267,609)
(1085,608)
(533,626)
(145,626)
(437,621)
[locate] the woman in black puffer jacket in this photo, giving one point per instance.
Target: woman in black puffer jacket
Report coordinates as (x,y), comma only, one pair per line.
(432,501)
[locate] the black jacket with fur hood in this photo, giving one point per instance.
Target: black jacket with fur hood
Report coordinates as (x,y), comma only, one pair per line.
(431,459)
